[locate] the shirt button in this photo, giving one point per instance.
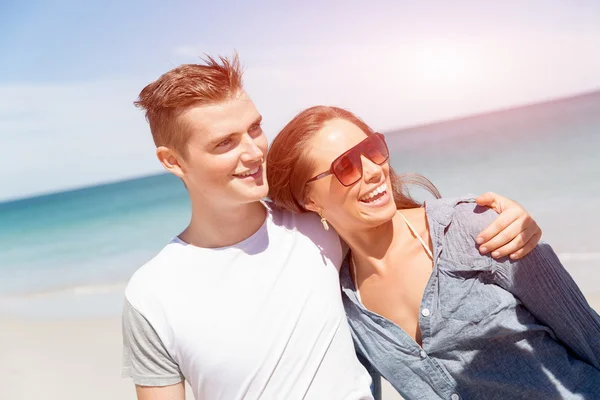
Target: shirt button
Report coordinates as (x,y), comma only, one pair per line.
(455,396)
(425,312)
(423,354)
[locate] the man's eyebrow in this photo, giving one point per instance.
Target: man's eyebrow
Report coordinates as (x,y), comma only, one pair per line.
(220,138)
(257,120)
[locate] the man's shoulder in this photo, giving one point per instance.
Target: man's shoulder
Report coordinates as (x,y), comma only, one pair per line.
(309,228)
(281,216)
(307,224)
(155,273)
(291,220)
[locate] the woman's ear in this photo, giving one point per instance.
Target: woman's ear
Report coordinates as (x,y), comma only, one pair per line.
(311,205)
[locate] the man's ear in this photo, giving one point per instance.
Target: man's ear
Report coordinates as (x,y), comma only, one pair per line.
(171,161)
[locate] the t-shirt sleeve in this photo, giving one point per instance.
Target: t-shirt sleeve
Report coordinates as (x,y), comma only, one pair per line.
(145,358)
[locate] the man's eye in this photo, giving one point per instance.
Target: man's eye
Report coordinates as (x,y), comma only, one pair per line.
(255,128)
(224,143)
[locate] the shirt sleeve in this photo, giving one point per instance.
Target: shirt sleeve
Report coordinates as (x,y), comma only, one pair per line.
(375,377)
(547,290)
(145,358)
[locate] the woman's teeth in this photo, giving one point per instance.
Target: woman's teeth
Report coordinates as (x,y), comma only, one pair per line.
(369,196)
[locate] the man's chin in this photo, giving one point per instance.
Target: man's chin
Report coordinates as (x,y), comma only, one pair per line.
(257,194)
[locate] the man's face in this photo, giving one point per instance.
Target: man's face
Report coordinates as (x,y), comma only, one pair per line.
(226,152)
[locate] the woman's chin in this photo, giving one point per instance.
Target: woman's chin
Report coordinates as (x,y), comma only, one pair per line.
(380,210)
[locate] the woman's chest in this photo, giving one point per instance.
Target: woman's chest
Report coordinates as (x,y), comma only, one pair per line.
(397,295)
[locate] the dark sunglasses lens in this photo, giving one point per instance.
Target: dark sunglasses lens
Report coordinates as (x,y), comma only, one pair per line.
(375,149)
(347,169)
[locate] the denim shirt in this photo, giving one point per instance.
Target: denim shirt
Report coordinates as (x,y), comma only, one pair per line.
(491,329)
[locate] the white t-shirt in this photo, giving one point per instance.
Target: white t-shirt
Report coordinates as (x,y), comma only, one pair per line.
(260,319)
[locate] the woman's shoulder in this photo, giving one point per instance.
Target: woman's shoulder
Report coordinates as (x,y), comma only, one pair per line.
(455,224)
(460,214)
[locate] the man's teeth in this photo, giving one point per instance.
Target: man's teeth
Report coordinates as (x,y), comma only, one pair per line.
(374,193)
(251,172)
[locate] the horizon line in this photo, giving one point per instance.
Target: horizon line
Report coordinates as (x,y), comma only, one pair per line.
(520,106)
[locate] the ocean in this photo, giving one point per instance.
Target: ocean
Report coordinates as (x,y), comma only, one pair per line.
(70,254)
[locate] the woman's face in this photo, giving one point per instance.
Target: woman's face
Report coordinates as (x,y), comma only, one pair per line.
(365,204)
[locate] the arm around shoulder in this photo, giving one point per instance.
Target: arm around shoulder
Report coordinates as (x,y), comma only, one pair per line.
(542,284)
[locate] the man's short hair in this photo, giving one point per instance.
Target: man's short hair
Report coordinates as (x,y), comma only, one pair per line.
(183,87)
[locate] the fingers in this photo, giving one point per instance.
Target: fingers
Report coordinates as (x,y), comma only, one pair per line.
(514,245)
(496,202)
(497,226)
(486,199)
(528,247)
(514,231)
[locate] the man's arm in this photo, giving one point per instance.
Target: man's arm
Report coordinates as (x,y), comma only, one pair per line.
(173,392)
(513,233)
(146,360)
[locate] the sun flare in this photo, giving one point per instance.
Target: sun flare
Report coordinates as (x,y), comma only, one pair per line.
(445,65)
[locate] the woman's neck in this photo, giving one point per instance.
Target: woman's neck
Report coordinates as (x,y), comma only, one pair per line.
(369,247)
(373,249)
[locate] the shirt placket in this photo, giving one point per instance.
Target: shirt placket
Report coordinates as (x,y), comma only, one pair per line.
(446,383)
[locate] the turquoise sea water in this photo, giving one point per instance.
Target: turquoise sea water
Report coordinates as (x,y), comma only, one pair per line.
(71,252)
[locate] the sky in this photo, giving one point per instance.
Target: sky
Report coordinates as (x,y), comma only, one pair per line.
(70,70)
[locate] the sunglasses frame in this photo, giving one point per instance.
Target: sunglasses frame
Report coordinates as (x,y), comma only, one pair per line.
(350,150)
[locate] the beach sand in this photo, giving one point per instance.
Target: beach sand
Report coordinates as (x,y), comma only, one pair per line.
(71,359)
(75,359)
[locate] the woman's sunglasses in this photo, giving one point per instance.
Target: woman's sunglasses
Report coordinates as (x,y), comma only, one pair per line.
(347,168)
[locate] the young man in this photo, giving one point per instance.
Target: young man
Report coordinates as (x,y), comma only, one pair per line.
(245,303)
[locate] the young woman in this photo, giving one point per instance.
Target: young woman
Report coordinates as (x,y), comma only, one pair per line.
(432,315)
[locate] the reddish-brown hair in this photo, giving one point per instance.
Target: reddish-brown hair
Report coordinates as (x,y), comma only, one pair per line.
(183,87)
(289,166)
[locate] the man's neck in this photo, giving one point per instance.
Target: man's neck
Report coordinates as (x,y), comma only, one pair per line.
(213,227)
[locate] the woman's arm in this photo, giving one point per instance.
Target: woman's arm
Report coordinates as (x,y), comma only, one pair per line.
(544,286)
(549,292)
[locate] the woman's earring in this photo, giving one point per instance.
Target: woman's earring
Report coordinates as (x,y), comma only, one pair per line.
(323,221)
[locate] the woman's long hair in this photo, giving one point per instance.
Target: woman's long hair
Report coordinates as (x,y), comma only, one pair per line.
(289,167)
